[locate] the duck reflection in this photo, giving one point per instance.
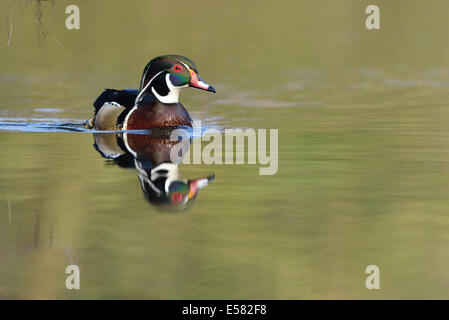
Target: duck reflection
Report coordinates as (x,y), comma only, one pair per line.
(150,154)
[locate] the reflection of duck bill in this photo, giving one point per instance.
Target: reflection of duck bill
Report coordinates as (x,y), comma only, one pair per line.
(198,184)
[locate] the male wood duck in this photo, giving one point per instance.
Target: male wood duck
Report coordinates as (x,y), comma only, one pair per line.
(156,103)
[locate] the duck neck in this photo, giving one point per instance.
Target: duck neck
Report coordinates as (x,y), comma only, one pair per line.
(161,87)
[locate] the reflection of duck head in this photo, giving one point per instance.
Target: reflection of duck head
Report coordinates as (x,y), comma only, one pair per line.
(164,187)
(151,156)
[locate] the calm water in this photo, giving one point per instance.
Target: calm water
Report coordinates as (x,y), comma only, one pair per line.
(363,125)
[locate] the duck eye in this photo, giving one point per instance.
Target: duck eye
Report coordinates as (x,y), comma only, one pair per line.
(177,68)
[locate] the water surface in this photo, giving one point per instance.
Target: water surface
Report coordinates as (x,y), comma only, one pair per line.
(363,154)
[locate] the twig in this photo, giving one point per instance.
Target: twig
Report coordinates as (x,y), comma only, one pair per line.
(9,35)
(57,41)
(9,212)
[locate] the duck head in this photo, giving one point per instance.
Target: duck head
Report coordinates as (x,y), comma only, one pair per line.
(166,75)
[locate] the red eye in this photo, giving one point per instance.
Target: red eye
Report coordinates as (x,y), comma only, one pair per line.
(177,68)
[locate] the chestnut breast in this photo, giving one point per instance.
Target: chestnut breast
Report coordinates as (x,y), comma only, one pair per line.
(154,114)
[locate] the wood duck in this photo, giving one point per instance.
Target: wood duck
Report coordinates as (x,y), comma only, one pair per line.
(156,103)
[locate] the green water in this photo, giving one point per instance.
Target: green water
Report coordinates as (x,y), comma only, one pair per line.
(363,125)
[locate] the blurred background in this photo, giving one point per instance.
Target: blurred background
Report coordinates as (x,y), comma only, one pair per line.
(363,125)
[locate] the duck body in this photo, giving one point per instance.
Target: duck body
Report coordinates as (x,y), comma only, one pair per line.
(156,103)
(151,113)
(115,110)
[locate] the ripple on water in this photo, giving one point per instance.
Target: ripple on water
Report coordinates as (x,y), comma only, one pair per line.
(77,125)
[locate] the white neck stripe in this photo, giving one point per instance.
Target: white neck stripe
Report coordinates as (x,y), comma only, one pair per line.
(143,90)
(173,92)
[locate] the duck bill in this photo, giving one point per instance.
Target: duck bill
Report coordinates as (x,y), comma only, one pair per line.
(197,82)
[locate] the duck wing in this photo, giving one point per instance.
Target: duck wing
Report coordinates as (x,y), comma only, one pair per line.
(125,98)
